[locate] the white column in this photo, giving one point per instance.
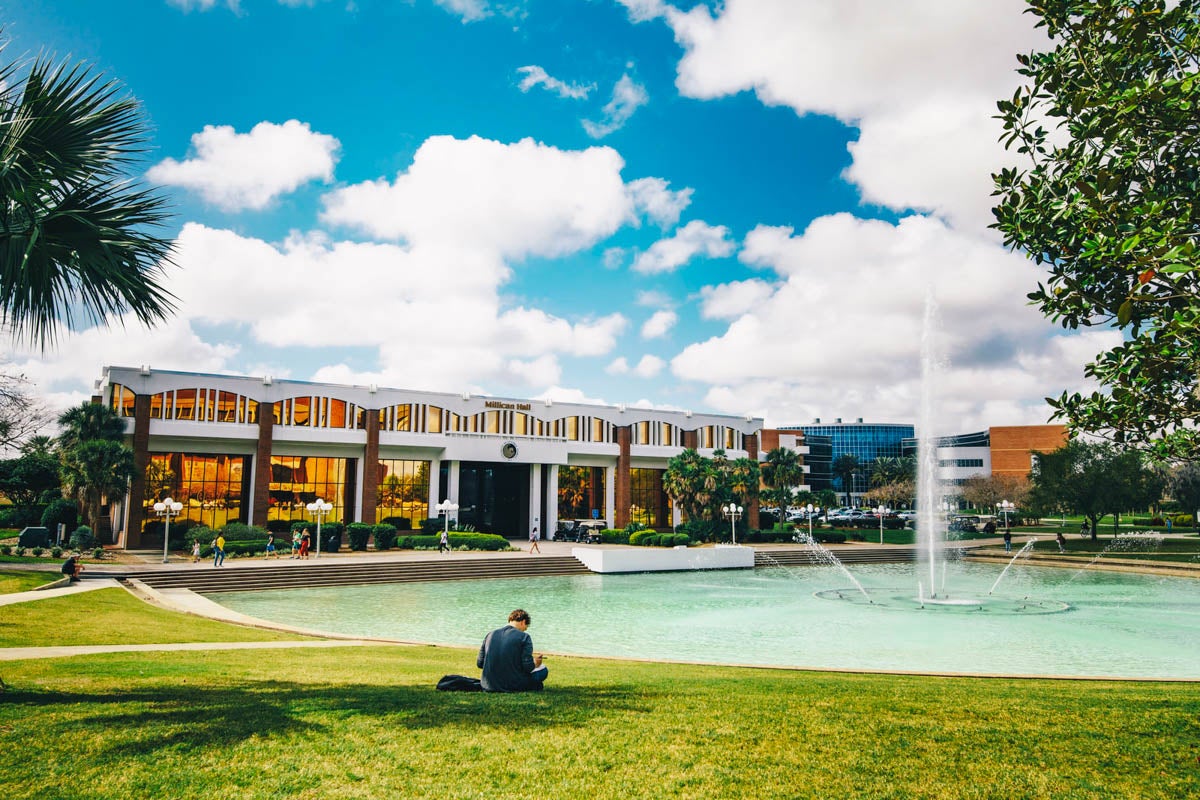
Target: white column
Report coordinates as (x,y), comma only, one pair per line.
(676,516)
(535,499)
(610,496)
(551,501)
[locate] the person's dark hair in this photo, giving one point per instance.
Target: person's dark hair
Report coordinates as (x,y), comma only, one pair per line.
(520,615)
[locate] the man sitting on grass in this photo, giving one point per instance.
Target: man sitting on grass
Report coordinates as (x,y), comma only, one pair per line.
(507,660)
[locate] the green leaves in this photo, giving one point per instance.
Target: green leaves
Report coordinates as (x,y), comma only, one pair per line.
(76,235)
(1112,209)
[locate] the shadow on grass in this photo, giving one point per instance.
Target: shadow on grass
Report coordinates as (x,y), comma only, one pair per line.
(204,717)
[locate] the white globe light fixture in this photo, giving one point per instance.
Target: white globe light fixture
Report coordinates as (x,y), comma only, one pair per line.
(166,509)
(319,508)
(811,511)
(446,507)
(734,513)
(881,510)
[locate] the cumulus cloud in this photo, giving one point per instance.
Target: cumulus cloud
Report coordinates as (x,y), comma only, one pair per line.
(516,200)
(918,79)
(730,300)
(652,197)
(618,366)
(697,238)
(659,324)
(649,366)
(537,76)
(839,334)
(469,10)
(237,171)
(628,96)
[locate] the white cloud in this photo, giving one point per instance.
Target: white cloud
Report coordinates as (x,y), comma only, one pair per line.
(58,374)
(653,299)
(840,333)
(618,366)
(248,170)
(541,371)
(515,200)
(537,76)
(694,239)
(652,197)
(201,5)
(628,96)
(613,257)
(659,324)
(730,300)
(919,79)
(469,10)
(649,366)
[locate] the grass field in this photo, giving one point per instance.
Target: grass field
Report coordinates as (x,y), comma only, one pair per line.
(24,580)
(367,723)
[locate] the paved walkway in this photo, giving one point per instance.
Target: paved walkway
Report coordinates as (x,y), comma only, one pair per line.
(17,653)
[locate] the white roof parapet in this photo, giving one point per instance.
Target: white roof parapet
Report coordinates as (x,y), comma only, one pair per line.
(269,389)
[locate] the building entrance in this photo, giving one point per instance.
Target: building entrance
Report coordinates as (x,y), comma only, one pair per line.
(494,497)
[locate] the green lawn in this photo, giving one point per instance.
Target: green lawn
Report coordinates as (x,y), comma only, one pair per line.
(113,616)
(366,723)
(24,580)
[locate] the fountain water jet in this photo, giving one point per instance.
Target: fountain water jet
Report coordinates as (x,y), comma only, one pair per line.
(1027,548)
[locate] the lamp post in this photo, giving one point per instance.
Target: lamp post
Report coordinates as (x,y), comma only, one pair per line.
(811,511)
(447,508)
(1006,507)
(319,508)
(881,510)
(166,509)
(734,513)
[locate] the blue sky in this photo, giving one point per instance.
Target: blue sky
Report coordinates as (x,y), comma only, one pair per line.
(736,207)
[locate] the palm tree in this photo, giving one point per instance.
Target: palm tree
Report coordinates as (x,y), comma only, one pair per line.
(845,467)
(782,472)
(87,422)
(95,470)
(75,233)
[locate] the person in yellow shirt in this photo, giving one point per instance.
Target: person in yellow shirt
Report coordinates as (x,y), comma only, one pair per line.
(218,550)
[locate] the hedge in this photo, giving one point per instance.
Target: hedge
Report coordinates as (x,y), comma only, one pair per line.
(385,535)
(471,541)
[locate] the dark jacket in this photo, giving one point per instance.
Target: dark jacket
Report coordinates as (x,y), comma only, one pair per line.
(506,658)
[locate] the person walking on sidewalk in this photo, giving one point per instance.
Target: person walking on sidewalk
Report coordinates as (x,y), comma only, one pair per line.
(195,551)
(444,543)
(218,550)
(534,536)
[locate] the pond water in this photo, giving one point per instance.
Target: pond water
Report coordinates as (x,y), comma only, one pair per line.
(1039,622)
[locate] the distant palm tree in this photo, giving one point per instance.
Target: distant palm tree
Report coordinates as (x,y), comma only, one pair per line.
(75,233)
(782,472)
(845,467)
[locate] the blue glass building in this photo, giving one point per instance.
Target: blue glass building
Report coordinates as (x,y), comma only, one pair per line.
(866,441)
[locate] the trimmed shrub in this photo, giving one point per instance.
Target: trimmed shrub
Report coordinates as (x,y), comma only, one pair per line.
(61,511)
(21,516)
(1183,519)
(82,538)
(56,552)
(433,525)
(359,533)
(98,553)
(385,535)
(458,539)
(638,538)
(240,532)
(278,526)
(37,552)
(614,536)
(829,537)
(6,549)
(20,551)
(399,523)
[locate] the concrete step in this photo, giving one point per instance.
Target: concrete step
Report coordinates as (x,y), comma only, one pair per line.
(293,574)
(804,555)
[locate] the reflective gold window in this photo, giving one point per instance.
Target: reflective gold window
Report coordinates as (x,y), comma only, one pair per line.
(403,491)
(185,403)
(433,419)
(212,488)
(297,481)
